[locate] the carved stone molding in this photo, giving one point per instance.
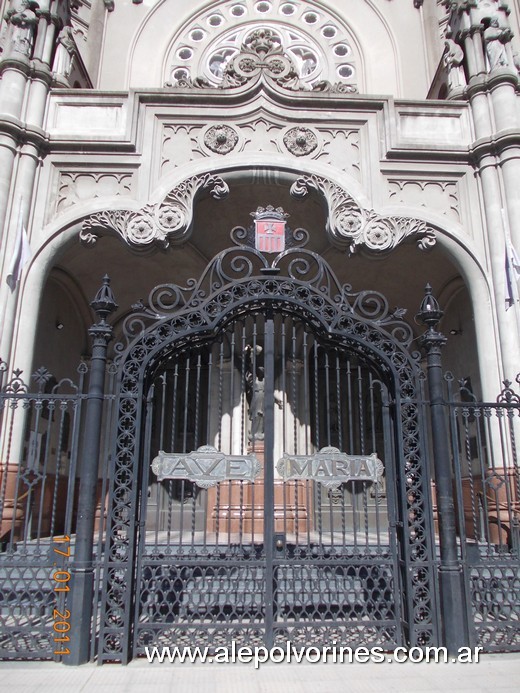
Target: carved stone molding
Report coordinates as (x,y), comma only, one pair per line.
(349,226)
(341,149)
(178,145)
(441,195)
(162,223)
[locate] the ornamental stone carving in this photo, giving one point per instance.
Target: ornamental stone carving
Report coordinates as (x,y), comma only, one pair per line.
(350,227)
(262,57)
(23,21)
(341,149)
(79,186)
(163,223)
(440,195)
(178,145)
(495,39)
(300,141)
(221,139)
(453,58)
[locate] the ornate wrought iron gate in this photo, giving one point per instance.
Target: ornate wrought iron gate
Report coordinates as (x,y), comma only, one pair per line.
(278,409)
(268,480)
(223,558)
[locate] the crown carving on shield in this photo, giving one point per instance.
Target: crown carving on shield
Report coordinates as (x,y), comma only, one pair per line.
(270,212)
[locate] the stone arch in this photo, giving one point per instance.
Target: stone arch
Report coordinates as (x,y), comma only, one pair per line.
(66,227)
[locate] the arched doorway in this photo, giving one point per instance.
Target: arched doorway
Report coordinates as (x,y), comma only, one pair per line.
(288,497)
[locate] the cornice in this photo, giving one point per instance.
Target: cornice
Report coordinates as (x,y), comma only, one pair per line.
(249,93)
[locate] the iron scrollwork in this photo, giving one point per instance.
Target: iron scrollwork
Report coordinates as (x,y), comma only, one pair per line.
(240,278)
(240,273)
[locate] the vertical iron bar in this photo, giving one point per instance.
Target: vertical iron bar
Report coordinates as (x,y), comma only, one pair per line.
(269,477)
(307,408)
(316,486)
(162,427)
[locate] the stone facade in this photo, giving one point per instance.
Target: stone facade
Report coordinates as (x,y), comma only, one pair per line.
(135,136)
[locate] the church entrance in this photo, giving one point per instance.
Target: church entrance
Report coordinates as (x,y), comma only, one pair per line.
(264,432)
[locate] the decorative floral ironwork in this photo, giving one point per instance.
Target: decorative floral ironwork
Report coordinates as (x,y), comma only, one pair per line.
(41,377)
(508,394)
(163,223)
(16,385)
(303,273)
(351,226)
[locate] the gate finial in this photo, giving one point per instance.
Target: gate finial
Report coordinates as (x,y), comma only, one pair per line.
(104,303)
(430,312)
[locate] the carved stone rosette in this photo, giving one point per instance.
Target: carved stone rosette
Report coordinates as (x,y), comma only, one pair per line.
(349,226)
(300,141)
(221,139)
(162,223)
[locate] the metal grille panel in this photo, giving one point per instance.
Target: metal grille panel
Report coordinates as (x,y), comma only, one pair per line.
(37,489)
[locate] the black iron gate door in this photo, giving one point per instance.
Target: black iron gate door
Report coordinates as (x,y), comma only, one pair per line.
(268,503)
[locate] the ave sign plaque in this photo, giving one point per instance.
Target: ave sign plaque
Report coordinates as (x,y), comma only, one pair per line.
(331,467)
(205,466)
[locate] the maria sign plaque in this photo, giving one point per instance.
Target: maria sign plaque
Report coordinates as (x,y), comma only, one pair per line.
(331,467)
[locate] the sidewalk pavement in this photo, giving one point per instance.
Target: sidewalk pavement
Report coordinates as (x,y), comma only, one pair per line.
(493,674)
